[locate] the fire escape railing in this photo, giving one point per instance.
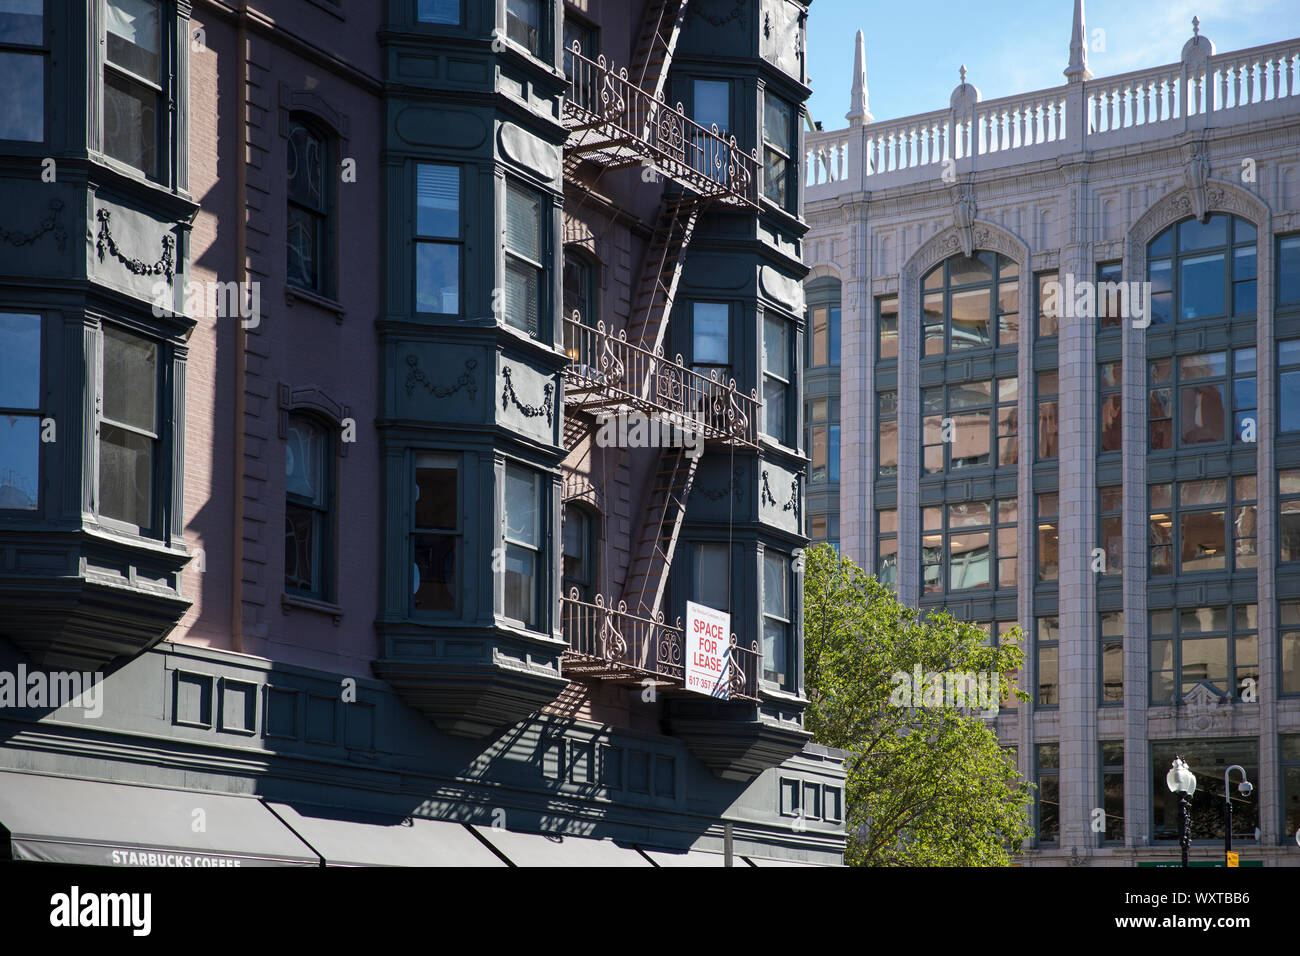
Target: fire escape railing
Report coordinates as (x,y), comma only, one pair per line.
(611,643)
(606,372)
(613,122)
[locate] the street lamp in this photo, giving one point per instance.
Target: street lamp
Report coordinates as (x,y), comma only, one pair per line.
(1244,788)
(1182,781)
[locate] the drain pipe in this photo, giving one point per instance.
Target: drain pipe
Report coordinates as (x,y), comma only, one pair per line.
(241,334)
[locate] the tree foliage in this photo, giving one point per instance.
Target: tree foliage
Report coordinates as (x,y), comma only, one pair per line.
(926,785)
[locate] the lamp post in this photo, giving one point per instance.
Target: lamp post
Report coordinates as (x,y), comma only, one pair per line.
(1182,781)
(1245,787)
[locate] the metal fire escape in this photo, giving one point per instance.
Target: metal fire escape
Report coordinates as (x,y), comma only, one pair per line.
(617,122)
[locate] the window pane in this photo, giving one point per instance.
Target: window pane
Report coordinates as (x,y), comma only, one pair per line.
(1047,430)
(776,357)
(774,409)
(523,289)
(301,547)
(439,11)
(712,577)
(711,333)
(130,379)
(774,585)
(1194,234)
(820,337)
(776,123)
(434,583)
(971,446)
(1112,673)
(713,104)
(1203,415)
(19,462)
(21,21)
(932,323)
(22,97)
(130,122)
(1112,424)
(1202,541)
(304,237)
(304,462)
(20,360)
(305,158)
(125,476)
(437,492)
(977,268)
(888,329)
(1201,286)
(523,507)
(437,190)
(1288,268)
(576,545)
(1289,402)
(524,24)
(970,319)
(1048,677)
(437,280)
(520,584)
(524,222)
(132,28)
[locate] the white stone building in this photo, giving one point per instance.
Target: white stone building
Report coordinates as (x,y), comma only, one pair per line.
(1122,482)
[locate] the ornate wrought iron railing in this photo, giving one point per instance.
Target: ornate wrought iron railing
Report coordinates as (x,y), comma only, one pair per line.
(611,643)
(606,372)
(614,122)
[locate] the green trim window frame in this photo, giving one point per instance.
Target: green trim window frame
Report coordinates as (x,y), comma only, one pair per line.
(437,532)
(1110,407)
(1289,647)
(438,239)
(974,542)
(963,423)
(1288,392)
(1047,797)
(779,384)
(579,551)
(1201,271)
(887,329)
(524,537)
(780,142)
(527,258)
(137,60)
(1047,664)
(1288,272)
(309,238)
(24,53)
(970,303)
(887,434)
(129,429)
(528,24)
(1197,522)
(1289,770)
(1112,790)
(1207,645)
(309,496)
(21,400)
(1189,397)
(1049,316)
(1047,511)
(441,12)
(1108,317)
(1047,385)
(824,440)
(778,620)
(887,547)
(1110,526)
(1288,517)
(1110,671)
(1206,758)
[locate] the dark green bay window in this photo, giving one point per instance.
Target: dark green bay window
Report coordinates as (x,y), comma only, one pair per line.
(20,416)
(527,273)
(436,532)
(437,239)
(128,428)
(778,382)
(777,619)
(134,73)
(525,570)
(780,138)
(308,509)
(22,70)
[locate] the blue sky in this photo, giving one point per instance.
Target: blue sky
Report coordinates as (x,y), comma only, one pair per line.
(1009,46)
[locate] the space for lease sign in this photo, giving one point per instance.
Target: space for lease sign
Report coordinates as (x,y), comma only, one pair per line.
(708,650)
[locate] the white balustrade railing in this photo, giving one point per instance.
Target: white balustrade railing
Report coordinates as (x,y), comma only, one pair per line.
(1114,109)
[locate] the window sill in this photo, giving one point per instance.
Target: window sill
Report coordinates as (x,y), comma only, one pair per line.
(292,293)
(289,602)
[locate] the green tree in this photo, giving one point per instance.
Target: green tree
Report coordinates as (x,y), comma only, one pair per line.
(927,785)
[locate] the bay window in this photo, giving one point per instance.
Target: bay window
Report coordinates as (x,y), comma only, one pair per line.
(777,383)
(436,532)
(525,571)
(134,72)
(22,70)
(20,416)
(128,430)
(780,138)
(527,273)
(437,239)
(777,620)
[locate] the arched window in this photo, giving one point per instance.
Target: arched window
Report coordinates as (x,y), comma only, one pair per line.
(1202,270)
(970,302)
(309,231)
(308,509)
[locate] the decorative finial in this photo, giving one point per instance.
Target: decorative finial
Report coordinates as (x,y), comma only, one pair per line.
(1196,26)
(859,112)
(962,71)
(1077,71)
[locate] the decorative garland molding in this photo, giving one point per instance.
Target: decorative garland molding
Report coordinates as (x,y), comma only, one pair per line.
(105,244)
(416,377)
(50,223)
(510,397)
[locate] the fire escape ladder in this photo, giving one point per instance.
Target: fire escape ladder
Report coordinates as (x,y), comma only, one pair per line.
(660,526)
(662,271)
(660,27)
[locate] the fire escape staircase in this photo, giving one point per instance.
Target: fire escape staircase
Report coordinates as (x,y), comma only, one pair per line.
(660,27)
